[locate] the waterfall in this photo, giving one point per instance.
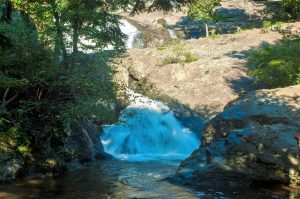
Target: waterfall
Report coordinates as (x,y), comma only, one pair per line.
(132,33)
(148,129)
(172,34)
(133,38)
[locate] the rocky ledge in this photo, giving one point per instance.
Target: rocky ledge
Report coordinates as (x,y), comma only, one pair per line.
(252,140)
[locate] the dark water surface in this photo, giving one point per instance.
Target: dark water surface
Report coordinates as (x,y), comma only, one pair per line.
(122,179)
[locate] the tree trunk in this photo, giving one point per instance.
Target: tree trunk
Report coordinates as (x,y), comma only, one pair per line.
(206,29)
(60,38)
(75,35)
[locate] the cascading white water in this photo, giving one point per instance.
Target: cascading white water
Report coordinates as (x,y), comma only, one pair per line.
(172,34)
(131,31)
(132,38)
(148,130)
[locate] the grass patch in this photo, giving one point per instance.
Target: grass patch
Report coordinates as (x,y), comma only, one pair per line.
(180,53)
(214,35)
(161,48)
(268,24)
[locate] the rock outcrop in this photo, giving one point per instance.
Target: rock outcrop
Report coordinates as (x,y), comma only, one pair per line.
(206,85)
(79,148)
(84,142)
(253,139)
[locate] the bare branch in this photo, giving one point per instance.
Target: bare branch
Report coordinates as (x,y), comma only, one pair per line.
(5,95)
(6,102)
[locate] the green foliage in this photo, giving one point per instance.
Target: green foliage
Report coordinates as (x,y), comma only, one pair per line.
(277,65)
(267,24)
(163,5)
(215,35)
(161,48)
(40,94)
(10,82)
(79,20)
(221,18)
(189,57)
(278,23)
(203,9)
(179,54)
(162,22)
(292,7)
(46,82)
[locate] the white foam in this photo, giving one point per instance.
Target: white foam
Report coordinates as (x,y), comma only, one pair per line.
(148,130)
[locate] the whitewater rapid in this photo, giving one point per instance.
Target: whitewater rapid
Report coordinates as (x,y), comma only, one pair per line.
(148,129)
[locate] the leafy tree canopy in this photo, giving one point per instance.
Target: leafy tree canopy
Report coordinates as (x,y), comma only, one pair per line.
(203,9)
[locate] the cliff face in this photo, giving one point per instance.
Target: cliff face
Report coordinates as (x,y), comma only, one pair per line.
(253,139)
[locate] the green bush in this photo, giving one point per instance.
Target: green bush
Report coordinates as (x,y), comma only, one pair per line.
(162,22)
(179,54)
(214,35)
(40,94)
(267,24)
(277,65)
(292,7)
(189,57)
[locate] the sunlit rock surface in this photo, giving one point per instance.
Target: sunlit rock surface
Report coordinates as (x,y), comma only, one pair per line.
(252,139)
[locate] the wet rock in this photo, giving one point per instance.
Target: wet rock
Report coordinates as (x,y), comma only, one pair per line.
(83,144)
(252,140)
(9,169)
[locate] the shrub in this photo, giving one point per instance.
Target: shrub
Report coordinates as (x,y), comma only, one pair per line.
(179,54)
(214,35)
(189,57)
(162,22)
(161,48)
(292,7)
(267,24)
(277,65)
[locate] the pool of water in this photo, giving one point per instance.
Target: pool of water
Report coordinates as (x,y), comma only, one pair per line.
(129,179)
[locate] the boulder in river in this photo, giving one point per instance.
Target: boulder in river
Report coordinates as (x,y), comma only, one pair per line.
(84,142)
(252,140)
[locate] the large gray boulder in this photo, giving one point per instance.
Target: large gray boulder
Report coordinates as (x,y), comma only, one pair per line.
(253,140)
(83,142)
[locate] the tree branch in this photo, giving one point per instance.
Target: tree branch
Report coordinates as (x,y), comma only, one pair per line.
(5,95)
(6,102)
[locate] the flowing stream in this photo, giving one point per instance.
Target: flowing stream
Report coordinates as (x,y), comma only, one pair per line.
(148,144)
